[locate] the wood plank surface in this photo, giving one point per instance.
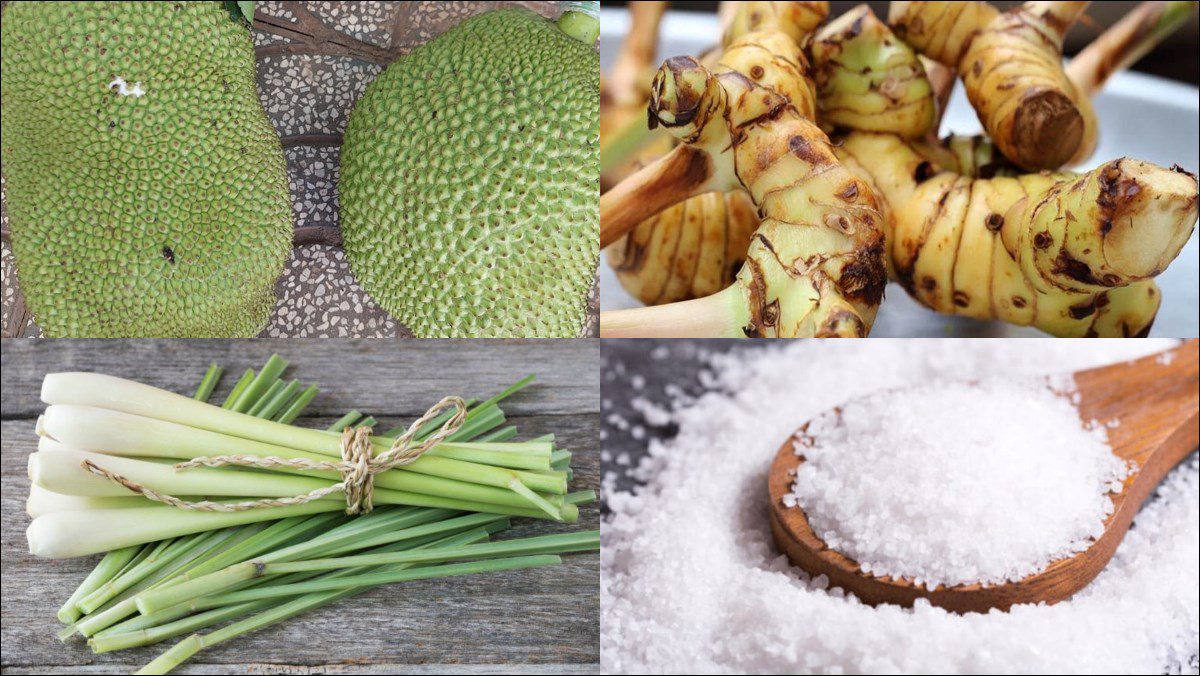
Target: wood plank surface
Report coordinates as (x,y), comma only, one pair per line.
(529,621)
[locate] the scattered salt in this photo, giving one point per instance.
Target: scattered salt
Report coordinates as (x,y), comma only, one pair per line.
(691,581)
(653,414)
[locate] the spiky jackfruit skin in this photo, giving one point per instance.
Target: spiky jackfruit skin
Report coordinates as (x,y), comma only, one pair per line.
(470,179)
(164,214)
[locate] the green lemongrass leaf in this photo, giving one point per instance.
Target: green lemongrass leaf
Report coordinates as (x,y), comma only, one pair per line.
(392,576)
(501,434)
(176,620)
(535,499)
(343,422)
(146,559)
(108,567)
(123,606)
(433,424)
(297,405)
(238,387)
(277,403)
(193,644)
(156,600)
(208,383)
(372,529)
(262,382)
(580,497)
(275,389)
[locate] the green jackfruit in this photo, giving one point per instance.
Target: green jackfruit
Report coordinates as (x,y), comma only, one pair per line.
(470,179)
(147,192)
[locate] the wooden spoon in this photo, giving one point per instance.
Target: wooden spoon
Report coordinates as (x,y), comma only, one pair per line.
(1155,399)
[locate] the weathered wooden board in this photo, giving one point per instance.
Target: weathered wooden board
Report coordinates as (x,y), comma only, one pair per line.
(539,620)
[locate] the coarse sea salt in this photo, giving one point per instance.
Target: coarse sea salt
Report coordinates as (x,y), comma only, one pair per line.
(958,482)
(691,582)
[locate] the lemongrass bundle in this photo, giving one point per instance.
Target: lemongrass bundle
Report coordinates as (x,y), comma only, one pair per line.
(104,476)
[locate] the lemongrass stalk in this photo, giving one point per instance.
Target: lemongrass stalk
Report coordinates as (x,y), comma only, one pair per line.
(119,394)
(110,565)
(559,543)
(580,497)
(560,459)
(570,500)
(276,406)
(386,538)
(488,419)
(196,642)
(262,382)
(163,555)
(372,530)
(501,434)
(109,431)
(529,455)
(387,577)
(123,606)
(184,617)
(152,628)
(193,644)
(269,538)
(276,563)
(433,423)
(42,501)
(208,383)
(275,389)
(127,578)
(465,536)
(344,422)
(481,418)
(248,542)
(522,490)
(297,405)
(60,468)
(65,534)
(238,388)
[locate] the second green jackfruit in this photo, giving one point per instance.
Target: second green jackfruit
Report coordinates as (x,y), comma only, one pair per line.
(470,181)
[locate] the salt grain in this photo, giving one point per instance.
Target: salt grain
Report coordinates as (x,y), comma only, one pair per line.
(691,581)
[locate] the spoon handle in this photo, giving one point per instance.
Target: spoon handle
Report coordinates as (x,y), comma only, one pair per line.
(1151,399)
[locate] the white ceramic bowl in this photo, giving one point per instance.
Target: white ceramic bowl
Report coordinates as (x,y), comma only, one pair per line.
(1141,116)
